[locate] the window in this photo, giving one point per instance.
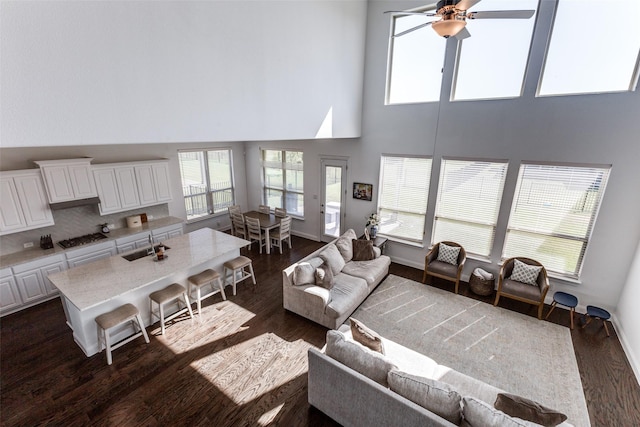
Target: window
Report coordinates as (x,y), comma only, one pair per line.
(491,63)
(415,62)
(207,181)
(403,195)
(602,58)
(283,183)
(553,212)
(469,195)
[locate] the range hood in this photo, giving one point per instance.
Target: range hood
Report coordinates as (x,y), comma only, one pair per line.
(91,201)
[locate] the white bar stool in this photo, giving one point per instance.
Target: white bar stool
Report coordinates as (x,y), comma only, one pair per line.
(238,267)
(172,293)
(117,317)
(198,281)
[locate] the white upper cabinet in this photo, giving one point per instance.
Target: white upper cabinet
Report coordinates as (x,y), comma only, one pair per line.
(126,186)
(24,202)
(66,180)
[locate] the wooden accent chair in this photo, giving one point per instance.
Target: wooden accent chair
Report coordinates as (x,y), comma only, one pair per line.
(255,233)
(532,294)
(282,233)
(264,209)
(441,269)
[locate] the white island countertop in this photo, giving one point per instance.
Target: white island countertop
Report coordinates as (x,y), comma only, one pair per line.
(90,285)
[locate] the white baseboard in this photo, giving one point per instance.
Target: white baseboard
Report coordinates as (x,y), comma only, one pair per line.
(306,236)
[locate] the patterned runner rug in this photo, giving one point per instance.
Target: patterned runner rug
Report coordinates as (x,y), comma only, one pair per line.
(517,353)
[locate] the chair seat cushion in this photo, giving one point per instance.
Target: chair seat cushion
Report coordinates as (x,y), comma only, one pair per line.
(204,277)
(523,290)
(443,268)
(168,293)
(117,316)
(237,262)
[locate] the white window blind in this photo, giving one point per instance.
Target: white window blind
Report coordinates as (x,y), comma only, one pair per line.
(207,181)
(283,180)
(469,195)
(403,195)
(553,212)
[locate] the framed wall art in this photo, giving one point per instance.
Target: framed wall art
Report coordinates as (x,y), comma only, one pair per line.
(362,191)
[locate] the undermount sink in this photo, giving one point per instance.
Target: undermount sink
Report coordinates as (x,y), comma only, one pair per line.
(142,253)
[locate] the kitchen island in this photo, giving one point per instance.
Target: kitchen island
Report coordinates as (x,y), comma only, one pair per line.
(101,286)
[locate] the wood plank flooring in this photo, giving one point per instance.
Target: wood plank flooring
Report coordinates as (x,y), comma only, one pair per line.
(242,362)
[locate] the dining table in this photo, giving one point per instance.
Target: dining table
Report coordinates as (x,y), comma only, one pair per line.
(268,222)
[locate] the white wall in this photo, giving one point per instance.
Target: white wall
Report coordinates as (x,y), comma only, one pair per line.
(628,315)
(103,72)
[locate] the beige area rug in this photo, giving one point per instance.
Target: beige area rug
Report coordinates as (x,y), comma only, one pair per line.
(514,352)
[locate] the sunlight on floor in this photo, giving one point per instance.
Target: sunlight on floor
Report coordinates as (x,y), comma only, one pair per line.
(267,418)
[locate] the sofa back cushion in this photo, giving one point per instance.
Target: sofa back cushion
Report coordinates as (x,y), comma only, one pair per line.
(369,363)
(343,243)
(331,256)
(432,395)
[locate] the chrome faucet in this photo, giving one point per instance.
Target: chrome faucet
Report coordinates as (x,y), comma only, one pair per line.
(151,250)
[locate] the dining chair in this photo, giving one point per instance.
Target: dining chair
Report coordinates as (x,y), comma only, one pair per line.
(238,225)
(235,208)
(280,212)
(282,233)
(255,232)
(264,209)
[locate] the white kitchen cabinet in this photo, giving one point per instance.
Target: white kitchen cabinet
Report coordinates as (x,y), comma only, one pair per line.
(24,202)
(161,181)
(165,233)
(70,179)
(127,187)
(9,296)
(31,278)
(88,254)
(117,188)
(129,243)
(146,184)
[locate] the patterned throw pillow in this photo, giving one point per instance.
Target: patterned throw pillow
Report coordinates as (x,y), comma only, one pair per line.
(525,273)
(324,277)
(448,254)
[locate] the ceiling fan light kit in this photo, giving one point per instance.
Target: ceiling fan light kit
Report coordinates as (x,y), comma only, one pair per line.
(448,28)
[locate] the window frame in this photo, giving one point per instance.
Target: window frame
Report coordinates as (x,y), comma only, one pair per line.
(498,202)
(284,190)
(585,240)
(417,240)
(209,193)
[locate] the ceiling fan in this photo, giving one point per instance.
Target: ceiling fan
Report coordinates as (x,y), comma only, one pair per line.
(453,17)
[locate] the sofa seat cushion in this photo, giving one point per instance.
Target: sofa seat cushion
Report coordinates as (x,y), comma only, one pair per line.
(443,268)
(513,287)
(347,293)
(372,271)
(466,385)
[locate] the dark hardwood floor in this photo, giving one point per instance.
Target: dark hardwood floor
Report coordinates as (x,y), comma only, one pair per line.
(243,362)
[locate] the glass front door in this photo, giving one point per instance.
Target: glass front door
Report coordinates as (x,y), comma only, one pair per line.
(333,197)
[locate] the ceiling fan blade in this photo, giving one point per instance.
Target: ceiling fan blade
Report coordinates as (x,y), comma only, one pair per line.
(466,4)
(412,29)
(501,14)
(463,34)
(406,12)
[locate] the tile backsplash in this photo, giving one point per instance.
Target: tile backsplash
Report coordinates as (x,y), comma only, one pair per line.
(74,222)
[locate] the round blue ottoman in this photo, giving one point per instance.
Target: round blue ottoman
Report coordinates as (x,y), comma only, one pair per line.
(566,300)
(594,312)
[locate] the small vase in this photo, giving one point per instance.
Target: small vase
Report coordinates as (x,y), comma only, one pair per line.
(374,231)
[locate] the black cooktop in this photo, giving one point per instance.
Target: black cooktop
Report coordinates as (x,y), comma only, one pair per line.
(82,240)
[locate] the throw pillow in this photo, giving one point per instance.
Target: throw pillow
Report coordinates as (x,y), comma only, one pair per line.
(366,336)
(372,365)
(344,244)
(363,250)
(432,395)
(324,276)
(527,409)
(448,253)
(304,274)
(477,413)
(331,256)
(525,273)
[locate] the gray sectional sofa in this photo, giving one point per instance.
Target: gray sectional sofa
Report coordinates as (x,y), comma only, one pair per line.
(357,387)
(331,304)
